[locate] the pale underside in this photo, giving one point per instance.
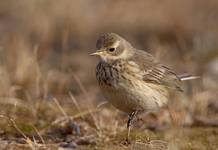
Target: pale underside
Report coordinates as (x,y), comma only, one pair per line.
(136,96)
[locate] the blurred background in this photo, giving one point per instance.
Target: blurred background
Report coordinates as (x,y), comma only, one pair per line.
(47,75)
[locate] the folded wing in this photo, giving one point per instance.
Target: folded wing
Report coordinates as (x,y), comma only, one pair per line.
(155,72)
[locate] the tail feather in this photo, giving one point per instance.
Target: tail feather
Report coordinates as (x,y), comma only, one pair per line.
(184,77)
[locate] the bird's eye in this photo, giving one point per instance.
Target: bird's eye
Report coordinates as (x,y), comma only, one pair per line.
(111,49)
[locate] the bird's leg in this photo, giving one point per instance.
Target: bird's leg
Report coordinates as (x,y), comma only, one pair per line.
(129,123)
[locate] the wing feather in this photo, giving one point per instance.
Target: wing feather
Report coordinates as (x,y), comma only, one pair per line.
(155,72)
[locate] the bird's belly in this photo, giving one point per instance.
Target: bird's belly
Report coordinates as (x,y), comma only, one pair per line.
(137,95)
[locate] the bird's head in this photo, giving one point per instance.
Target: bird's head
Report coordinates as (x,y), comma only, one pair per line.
(112,47)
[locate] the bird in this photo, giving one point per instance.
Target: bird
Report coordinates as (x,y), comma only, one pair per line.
(133,80)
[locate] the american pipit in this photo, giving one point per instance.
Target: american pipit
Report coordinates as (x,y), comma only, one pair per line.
(130,79)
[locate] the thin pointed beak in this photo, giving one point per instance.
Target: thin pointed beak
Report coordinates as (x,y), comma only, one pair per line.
(94,54)
(97,53)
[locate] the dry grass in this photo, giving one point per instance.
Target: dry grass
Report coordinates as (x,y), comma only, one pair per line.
(48,94)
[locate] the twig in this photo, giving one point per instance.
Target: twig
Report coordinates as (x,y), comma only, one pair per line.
(18,129)
(102,104)
(27,139)
(41,138)
(60,107)
(76,103)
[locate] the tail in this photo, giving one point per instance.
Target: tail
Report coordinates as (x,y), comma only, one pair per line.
(184,77)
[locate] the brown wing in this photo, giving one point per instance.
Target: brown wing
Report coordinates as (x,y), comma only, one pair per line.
(155,72)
